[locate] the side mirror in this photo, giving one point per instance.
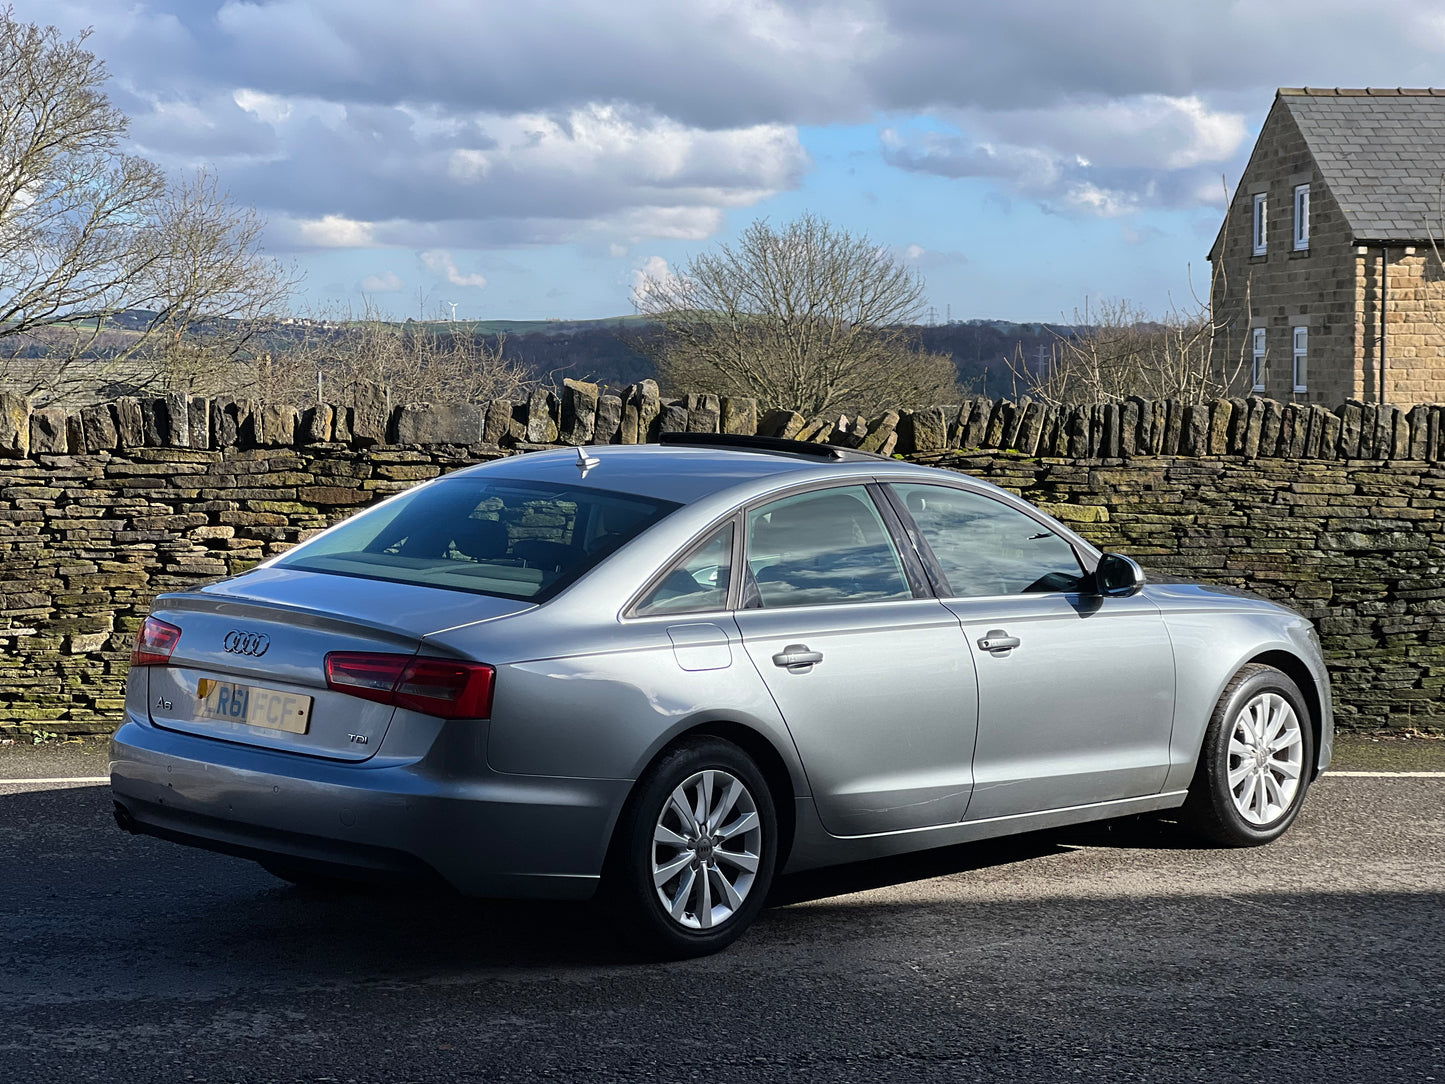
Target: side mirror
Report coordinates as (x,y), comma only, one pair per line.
(1118,576)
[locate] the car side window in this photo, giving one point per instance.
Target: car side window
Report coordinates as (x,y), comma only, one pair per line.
(985,547)
(823,548)
(697,581)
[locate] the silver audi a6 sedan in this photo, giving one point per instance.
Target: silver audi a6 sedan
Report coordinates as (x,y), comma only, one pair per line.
(670,672)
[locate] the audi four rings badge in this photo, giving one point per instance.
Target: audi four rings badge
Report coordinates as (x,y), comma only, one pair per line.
(246,643)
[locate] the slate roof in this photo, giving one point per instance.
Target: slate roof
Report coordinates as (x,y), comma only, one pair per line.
(1382,154)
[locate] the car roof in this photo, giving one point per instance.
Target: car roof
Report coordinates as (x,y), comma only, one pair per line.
(682,473)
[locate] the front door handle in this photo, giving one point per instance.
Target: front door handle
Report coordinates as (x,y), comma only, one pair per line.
(998,641)
(797,657)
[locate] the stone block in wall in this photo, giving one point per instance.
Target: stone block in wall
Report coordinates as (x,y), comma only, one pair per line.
(608,423)
(1253,428)
(631,417)
(275,425)
(542,417)
(976,431)
(342,423)
(178,420)
(156,418)
(371,413)
(439,423)
(1369,430)
(821,424)
(1098,416)
(1351,414)
(1173,427)
(49,434)
(200,422)
(703,420)
(673,418)
(1419,423)
(315,426)
(739,415)
(882,431)
(1435,442)
(1074,439)
(1032,424)
(781,423)
(997,422)
(702,401)
(129,423)
(648,401)
(1195,430)
(927,430)
(14,425)
(1329,435)
(497,422)
(1158,426)
(579,412)
(97,428)
(1314,435)
(1129,426)
(1295,431)
(1014,421)
(1112,440)
(1238,423)
(1399,434)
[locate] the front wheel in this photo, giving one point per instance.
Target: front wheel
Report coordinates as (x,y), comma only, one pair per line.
(1256,761)
(694,853)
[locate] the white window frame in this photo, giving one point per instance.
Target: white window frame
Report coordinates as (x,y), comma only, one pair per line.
(1301,358)
(1260,222)
(1258,359)
(1301,217)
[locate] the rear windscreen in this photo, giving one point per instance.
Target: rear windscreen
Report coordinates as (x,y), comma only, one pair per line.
(520,540)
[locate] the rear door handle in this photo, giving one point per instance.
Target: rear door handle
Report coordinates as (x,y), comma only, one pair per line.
(998,641)
(797,657)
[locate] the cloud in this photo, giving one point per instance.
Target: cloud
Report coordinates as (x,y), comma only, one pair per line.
(388,282)
(927,259)
(327,231)
(441,263)
(648,277)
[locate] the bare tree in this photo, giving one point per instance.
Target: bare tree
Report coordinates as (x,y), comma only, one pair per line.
(808,317)
(415,361)
(88,232)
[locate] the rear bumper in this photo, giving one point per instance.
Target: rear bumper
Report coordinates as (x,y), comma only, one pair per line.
(484,833)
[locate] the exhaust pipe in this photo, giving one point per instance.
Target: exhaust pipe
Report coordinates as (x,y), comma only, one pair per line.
(124,820)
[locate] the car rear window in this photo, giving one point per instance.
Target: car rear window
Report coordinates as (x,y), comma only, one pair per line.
(516,539)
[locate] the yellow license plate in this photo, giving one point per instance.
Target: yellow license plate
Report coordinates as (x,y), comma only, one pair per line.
(253,705)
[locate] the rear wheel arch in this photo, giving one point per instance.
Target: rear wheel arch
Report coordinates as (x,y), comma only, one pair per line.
(764,754)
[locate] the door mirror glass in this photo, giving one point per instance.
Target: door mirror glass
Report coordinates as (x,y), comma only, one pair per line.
(1118,576)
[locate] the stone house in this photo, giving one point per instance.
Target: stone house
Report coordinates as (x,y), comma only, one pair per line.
(1327,278)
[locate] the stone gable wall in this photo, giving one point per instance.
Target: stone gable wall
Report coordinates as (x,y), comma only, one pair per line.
(1282,289)
(1338,513)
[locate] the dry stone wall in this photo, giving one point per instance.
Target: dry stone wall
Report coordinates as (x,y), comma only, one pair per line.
(1339,513)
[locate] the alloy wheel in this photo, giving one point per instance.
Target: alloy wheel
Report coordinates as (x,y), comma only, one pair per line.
(1266,758)
(706,847)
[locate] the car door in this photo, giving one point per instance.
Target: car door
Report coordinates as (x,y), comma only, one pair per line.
(865,667)
(1076,690)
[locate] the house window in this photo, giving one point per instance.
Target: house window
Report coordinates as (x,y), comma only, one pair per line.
(1301,217)
(1261,213)
(1301,349)
(1259,359)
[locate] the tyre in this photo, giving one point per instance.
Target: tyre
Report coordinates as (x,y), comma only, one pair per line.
(693,857)
(1255,763)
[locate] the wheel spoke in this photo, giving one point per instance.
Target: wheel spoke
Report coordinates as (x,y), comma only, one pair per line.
(704,911)
(1284,741)
(662,874)
(704,800)
(741,859)
(1237,775)
(1276,711)
(1285,768)
(684,810)
(1243,798)
(663,834)
(1261,797)
(745,823)
(678,905)
(730,894)
(724,807)
(1237,748)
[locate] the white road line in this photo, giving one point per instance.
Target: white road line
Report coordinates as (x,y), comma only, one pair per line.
(1386,775)
(67,779)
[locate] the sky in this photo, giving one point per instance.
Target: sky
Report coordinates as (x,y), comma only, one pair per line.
(500,159)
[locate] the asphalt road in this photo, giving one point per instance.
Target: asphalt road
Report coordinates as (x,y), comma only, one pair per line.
(1111,953)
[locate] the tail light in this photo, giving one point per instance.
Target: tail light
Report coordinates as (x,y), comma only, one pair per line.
(444,687)
(154,643)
